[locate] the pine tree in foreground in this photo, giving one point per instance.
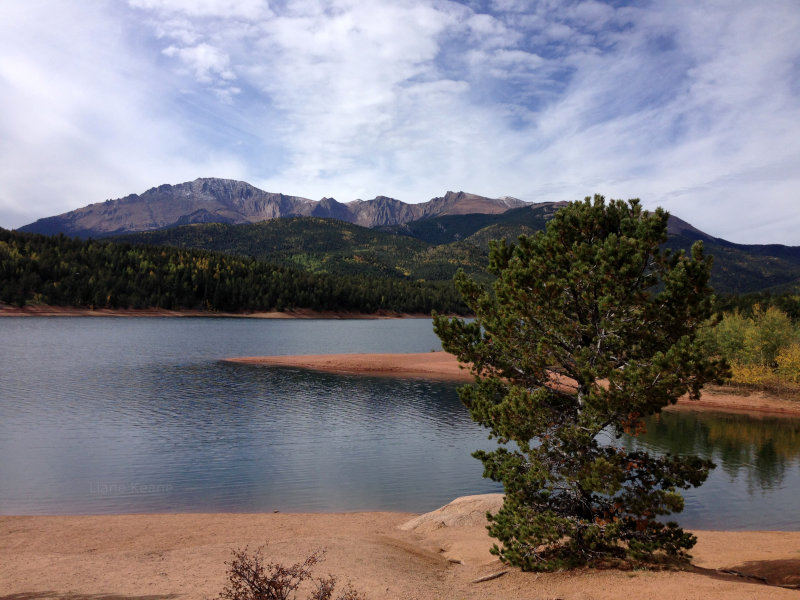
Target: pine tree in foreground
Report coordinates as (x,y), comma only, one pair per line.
(589,328)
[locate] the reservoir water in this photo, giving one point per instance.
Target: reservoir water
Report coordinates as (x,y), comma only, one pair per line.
(104,415)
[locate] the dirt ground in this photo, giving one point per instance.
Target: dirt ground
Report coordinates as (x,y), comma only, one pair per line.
(440,555)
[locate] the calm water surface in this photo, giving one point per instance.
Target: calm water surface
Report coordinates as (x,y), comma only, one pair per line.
(104,415)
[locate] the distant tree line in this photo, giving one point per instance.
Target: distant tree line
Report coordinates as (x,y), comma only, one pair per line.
(62,271)
(786,302)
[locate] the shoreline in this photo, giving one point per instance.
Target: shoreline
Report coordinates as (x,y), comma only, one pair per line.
(439,555)
(444,367)
(297,313)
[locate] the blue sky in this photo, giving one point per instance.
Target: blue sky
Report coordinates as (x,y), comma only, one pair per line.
(690,105)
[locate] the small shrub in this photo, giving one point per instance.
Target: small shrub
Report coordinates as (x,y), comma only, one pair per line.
(755,375)
(250,577)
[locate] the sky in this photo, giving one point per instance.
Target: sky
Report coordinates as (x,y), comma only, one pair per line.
(691,105)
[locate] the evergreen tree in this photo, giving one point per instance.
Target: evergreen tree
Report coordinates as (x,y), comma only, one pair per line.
(589,328)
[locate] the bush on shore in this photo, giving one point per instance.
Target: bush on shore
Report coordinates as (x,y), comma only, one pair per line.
(251,577)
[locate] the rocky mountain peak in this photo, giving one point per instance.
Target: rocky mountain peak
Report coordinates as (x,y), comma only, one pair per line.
(210,200)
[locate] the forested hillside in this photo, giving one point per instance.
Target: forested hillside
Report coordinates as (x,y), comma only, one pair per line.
(61,271)
(454,228)
(323,264)
(434,249)
(326,246)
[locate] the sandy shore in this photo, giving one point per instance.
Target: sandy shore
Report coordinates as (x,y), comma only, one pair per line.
(298,313)
(385,555)
(444,366)
(429,365)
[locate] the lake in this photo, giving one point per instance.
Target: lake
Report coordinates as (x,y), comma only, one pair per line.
(109,415)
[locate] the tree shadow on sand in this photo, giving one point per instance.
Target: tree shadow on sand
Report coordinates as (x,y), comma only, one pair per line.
(783,573)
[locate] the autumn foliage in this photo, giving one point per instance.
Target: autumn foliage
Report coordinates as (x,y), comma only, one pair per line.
(762,347)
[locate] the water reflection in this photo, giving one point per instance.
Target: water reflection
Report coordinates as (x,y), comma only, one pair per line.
(223,437)
(758,466)
(763,448)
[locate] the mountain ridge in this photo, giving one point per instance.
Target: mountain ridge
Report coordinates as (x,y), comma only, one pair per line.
(214,200)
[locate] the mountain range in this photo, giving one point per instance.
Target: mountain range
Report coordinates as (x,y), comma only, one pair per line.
(209,200)
(383,237)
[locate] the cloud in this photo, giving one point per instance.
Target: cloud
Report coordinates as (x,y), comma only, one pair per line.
(85,117)
(692,105)
(239,9)
(207,62)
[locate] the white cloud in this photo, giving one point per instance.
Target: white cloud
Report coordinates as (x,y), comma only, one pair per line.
(593,15)
(83,115)
(208,63)
(247,9)
(691,104)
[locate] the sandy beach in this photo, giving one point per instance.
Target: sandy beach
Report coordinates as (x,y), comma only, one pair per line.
(438,556)
(45,310)
(444,366)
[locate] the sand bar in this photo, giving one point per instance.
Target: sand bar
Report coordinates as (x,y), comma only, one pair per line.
(385,555)
(444,366)
(429,365)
